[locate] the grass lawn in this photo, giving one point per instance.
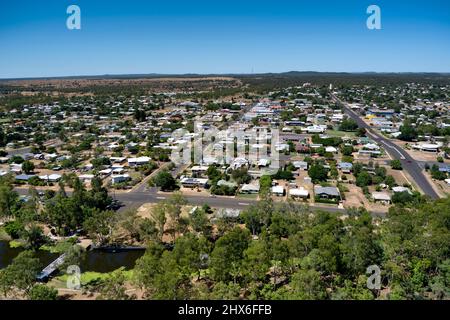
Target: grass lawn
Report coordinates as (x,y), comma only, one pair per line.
(4,235)
(247,196)
(59,247)
(90,276)
(16,244)
(340,134)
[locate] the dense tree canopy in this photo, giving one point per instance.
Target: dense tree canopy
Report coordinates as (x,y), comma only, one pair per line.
(296,255)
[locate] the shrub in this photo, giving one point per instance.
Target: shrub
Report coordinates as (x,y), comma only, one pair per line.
(14,229)
(396,165)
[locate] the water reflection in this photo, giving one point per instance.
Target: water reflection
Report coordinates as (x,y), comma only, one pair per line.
(94,260)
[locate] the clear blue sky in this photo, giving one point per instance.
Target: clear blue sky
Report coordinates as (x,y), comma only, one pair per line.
(222,36)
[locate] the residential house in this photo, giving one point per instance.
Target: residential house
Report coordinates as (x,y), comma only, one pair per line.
(133,162)
(300,165)
(330,193)
(51,177)
(251,188)
(382,197)
(278,191)
(189,182)
(299,193)
(118,178)
(345,167)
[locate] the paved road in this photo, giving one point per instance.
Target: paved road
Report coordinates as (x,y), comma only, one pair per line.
(133,200)
(395,151)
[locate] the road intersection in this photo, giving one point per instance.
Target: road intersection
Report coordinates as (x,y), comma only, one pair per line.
(396,152)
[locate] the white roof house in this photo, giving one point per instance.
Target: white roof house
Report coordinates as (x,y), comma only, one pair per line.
(199,168)
(427,147)
(250,188)
(381,196)
(193,182)
(299,193)
(263,162)
(118,170)
(315,129)
(106,172)
(52,177)
(16,168)
(331,149)
(86,177)
(401,189)
(278,190)
(300,165)
(138,161)
(371,146)
(238,163)
(119,178)
(50,156)
(281,147)
(117,159)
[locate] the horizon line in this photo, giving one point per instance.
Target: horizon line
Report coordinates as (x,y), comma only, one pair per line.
(134,75)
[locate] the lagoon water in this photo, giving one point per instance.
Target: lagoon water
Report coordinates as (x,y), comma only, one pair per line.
(93,260)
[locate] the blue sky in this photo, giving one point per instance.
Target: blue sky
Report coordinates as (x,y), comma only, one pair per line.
(217,36)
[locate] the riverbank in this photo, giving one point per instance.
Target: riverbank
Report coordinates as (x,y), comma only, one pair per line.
(92,260)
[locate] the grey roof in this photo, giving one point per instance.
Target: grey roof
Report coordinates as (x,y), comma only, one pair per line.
(332,191)
(24,177)
(345,165)
(227,213)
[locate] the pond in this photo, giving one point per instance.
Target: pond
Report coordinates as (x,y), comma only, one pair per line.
(93,260)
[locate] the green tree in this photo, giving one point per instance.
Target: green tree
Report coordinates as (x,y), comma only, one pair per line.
(334,174)
(99,225)
(390,181)
(347,150)
(228,253)
(265,184)
(42,292)
(14,229)
(8,200)
(225,291)
(18,277)
(396,165)
(256,261)
(307,285)
(364,179)
(407,133)
(34,236)
(318,173)
(348,125)
(113,287)
(360,247)
(159,274)
(199,222)
(165,181)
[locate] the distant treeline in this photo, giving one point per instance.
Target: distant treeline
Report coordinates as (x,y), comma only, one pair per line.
(259,83)
(271,80)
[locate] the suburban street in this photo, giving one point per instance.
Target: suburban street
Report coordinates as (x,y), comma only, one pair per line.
(135,198)
(395,151)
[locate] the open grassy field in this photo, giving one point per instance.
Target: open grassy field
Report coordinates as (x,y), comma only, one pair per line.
(337,133)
